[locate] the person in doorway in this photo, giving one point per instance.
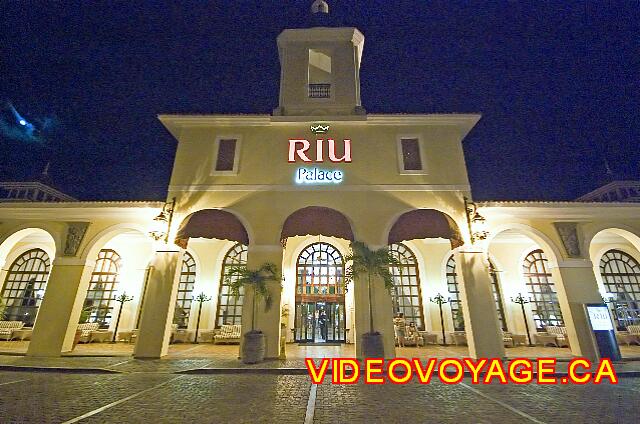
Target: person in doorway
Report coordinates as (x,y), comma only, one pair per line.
(400,327)
(322,322)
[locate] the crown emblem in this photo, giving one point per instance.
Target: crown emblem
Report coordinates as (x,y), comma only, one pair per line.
(319,128)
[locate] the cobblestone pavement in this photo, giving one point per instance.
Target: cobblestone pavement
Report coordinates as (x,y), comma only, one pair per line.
(207,350)
(160,397)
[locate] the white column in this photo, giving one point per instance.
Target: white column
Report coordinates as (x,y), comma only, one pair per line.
(159,305)
(478,305)
(59,312)
(576,285)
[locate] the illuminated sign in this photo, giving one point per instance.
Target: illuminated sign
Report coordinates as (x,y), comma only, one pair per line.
(599,317)
(299,149)
(314,176)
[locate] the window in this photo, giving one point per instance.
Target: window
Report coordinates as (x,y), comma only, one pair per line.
(454,294)
(185,291)
(406,294)
(102,287)
(497,296)
(544,305)
(230,306)
(319,74)
(227,150)
(410,156)
(621,277)
(320,271)
(25,285)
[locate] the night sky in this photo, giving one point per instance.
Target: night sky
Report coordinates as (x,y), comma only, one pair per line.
(557,84)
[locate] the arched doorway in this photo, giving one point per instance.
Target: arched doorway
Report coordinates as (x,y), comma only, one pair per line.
(320,297)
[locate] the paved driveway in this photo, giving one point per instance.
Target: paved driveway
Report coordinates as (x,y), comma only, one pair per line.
(158,397)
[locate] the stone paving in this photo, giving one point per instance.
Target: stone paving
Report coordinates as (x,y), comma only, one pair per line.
(160,397)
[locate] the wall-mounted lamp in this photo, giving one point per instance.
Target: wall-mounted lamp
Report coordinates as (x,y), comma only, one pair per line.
(162,223)
(476,222)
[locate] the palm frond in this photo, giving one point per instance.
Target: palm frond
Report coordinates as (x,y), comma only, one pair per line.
(240,276)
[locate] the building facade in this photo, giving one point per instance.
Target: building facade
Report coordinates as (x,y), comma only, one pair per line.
(294,188)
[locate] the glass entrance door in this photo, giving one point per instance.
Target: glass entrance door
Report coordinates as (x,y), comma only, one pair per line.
(320,322)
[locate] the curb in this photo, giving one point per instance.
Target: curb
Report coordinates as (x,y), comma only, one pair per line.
(61,370)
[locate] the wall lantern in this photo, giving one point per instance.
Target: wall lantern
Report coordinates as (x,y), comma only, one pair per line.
(476,222)
(162,223)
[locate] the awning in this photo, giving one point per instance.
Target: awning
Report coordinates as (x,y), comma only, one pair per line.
(425,223)
(317,221)
(211,224)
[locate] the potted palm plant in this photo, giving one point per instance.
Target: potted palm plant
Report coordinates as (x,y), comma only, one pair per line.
(368,263)
(253,345)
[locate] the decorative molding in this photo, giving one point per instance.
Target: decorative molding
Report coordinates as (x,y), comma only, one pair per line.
(568,232)
(75,234)
(288,187)
(573,263)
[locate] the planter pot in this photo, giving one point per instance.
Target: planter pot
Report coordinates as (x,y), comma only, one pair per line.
(372,345)
(253,347)
(76,338)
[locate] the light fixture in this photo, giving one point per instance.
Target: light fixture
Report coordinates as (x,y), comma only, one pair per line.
(440,300)
(476,222)
(162,223)
(522,301)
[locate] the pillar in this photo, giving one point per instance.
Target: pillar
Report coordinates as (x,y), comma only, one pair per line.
(266,321)
(481,323)
(382,314)
(576,285)
(159,305)
(59,312)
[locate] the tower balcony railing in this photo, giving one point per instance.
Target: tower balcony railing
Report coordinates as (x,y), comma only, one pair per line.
(319,91)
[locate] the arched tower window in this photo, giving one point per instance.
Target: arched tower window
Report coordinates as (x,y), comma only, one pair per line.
(229,306)
(185,291)
(544,305)
(456,303)
(406,294)
(25,285)
(621,277)
(102,287)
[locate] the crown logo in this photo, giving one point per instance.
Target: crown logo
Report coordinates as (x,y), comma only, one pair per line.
(319,128)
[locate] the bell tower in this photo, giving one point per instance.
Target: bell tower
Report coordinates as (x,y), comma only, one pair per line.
(320,69)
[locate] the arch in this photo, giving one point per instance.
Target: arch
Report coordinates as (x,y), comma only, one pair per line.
(95,245)
(626,232)
(537,236)
(407,292)
(229,309)
(425,223)
(320,314)
(212,224)
(15,235)
(24,286)
(317,221)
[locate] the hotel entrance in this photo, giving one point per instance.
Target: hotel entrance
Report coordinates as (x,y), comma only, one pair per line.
(320,322)
(320,307)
